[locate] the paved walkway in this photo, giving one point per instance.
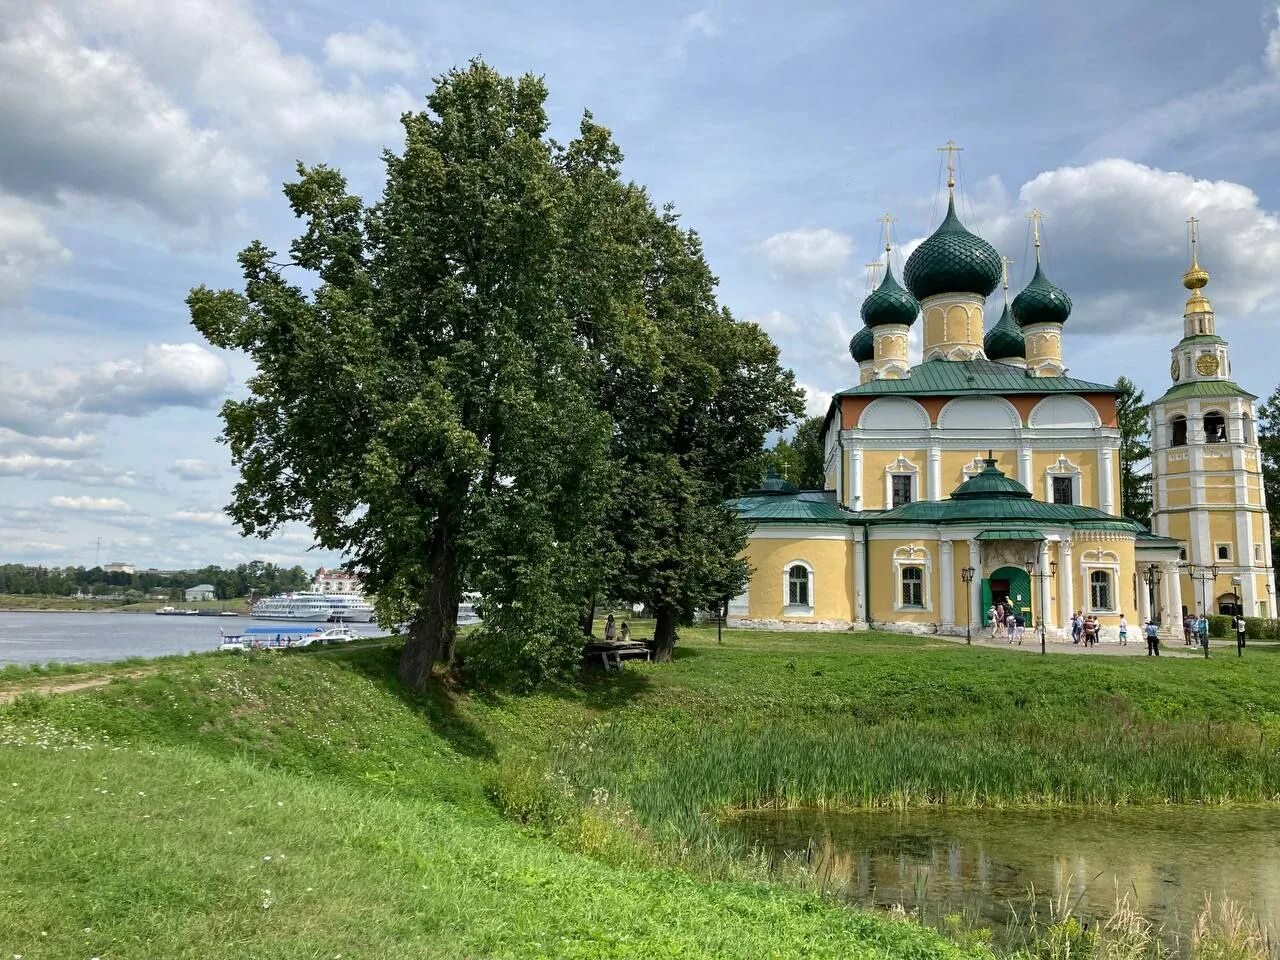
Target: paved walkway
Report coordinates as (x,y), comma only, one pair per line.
(1136,647)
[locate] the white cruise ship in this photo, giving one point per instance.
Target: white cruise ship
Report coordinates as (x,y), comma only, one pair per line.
(349,609)
(310,607)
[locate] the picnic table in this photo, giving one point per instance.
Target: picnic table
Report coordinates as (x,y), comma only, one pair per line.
(612,654)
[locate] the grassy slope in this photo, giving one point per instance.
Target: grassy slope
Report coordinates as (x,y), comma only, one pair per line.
(379,802)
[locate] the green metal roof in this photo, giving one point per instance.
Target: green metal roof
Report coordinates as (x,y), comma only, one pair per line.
(952,260)
(1148,539)
(802,507)
(1021,512)
(1205,388)
(1202,338)
(1041,301)
(955,377)
(991,484)
(862,346)
(1010,534)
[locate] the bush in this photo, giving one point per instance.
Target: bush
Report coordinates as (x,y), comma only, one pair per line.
(1255,628)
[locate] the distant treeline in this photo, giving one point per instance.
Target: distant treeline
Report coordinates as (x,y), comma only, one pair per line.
(257,578)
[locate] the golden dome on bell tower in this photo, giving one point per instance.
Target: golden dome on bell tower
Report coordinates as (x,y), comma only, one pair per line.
(1196,276)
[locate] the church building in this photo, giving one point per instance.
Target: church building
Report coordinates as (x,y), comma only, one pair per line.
(985,473)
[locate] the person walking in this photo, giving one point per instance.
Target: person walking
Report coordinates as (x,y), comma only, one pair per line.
(610,629)
(1202,630)
(1240,629)
(991,619)
(1188,627)
(1077,627)
(1124,631)
(1017,626)
(1153,639)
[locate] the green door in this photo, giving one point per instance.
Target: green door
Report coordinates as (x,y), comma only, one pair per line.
(986,603)
(1019,588)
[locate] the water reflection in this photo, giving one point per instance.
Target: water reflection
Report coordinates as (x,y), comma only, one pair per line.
(983,864)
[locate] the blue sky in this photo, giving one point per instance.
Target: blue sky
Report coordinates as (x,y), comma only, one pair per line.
(145,141)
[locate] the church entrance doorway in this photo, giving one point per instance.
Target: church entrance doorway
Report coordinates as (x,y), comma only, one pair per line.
(1010,586)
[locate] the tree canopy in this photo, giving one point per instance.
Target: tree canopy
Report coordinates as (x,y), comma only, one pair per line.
(1135,452)
(800,459)
(511,372)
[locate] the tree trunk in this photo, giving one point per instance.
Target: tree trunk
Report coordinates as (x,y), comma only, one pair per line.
(588,619)
(664,634)
(433,630)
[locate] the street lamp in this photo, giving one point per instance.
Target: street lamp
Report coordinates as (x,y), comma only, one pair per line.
(1035,573)
(967,576)
(1205,575)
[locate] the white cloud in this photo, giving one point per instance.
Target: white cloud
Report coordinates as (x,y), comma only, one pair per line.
(699,25)
(379,49)
(816,401)
(774,322)
(203,518)
(66,448)
(93,474)
(27,248)
(167,375)
(193,469)
(807,252)
(87,120)
(91,504)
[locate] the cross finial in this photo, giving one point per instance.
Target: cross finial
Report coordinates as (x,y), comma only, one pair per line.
(1193,225)
(873,273)
(951,150)
(1035,216)
(888,222)
(1004,276)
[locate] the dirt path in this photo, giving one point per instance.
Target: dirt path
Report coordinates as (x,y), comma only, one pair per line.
(69,684)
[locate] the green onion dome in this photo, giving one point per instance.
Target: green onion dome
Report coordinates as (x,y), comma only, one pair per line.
(952,260)
(862,346)
(990,484)
(1004,341)
(1041,302)
(889,303)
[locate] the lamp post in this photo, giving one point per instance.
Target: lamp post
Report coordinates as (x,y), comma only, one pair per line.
(1035,573)
(1205,575)
(967,576)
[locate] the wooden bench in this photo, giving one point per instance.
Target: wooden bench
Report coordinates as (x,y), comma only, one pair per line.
(612,654)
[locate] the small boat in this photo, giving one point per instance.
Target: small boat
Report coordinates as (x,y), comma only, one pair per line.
(176,612)
(283,638)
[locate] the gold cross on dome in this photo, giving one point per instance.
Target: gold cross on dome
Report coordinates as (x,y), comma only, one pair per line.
(1193,226)
(951,150)
(1004,271)
(1035,216)
(888,222)
(873,271)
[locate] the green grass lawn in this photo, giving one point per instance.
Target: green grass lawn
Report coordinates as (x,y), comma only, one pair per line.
(302,805)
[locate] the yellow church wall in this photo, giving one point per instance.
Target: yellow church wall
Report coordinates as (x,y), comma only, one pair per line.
(832,585)
(1111,554)
(884,585)
(874,464)
(1086,460)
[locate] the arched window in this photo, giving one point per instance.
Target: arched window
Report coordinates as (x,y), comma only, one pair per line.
(1246,427)
(799,592)
(1100,590)
(1178,431)
(913,586)
(1215,427)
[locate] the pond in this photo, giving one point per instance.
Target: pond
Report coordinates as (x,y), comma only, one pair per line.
(984,864)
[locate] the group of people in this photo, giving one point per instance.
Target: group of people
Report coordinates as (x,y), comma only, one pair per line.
(1088,630)
(1195,631)
(1006,621)
(612,633)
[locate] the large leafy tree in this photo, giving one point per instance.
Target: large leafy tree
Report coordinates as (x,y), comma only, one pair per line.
(1269,442)
(1135,451)
(689,435)
(421,398)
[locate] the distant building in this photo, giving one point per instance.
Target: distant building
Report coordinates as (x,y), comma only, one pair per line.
(336,581)
(118,568)
(201,591)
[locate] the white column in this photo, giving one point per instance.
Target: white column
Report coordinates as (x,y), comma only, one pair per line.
(975,588)
(1066,582)
(1175,592)
(1170,620)
(1106,488)
(946,570)
(1024,467)
(859,579)
(935,474)
(855,480)
(1046,614)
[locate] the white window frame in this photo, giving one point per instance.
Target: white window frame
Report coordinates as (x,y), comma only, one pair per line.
(913,556)
(1111,589)
(1105,561)
(1063,467)
(1217,553)
(902,586)
(798,610)
(899,467)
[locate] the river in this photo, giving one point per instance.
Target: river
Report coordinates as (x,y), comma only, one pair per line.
(982,864)
(95,637)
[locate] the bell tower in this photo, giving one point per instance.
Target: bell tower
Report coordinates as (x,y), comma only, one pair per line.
(1206,470)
